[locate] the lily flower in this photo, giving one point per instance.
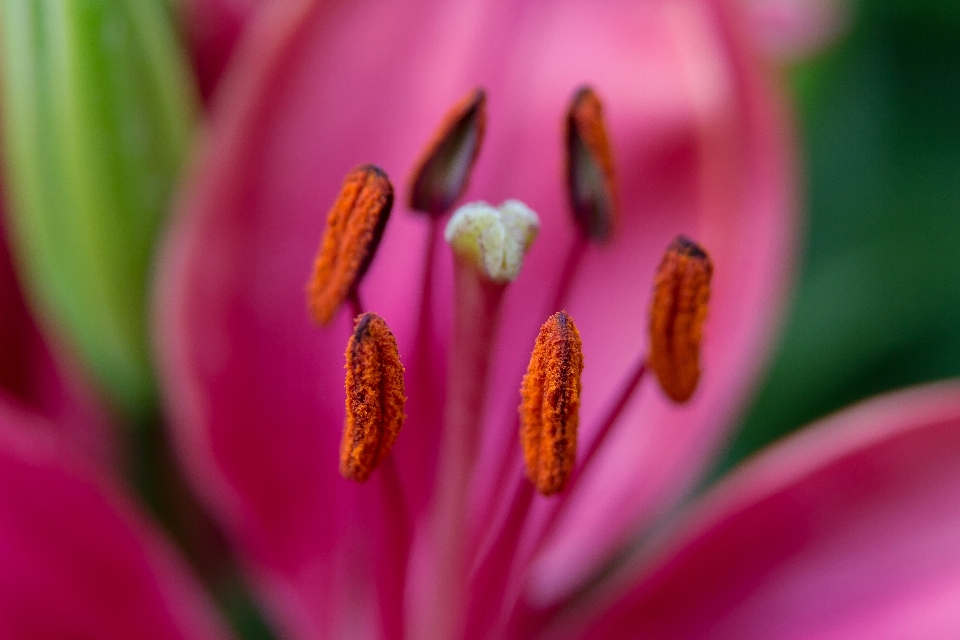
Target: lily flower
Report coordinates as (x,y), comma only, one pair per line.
(694,145)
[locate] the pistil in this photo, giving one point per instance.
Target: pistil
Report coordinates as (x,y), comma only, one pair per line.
(489,245)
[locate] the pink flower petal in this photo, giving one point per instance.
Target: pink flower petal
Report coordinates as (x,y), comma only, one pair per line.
(213,28)
(317,88)
(76,560)
(32,375)
(791,29)
(847,530)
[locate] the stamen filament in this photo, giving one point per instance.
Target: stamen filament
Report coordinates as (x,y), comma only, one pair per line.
(612,417)
(396,540)
(496,568)
(509,551)
(356,305)
(428,387)
(509,452)
(570,267)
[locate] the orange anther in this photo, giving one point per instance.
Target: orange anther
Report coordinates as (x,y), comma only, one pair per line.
(354,227)
(442,173)
(681,291)
(549,411)
(591,179)
(374,397)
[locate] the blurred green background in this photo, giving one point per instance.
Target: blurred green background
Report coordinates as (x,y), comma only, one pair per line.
(877,304)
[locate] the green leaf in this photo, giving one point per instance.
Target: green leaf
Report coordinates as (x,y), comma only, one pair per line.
(99,106)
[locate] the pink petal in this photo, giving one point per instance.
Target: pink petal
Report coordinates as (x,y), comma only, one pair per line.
(790,29)
(317,88)
(846,530)
(76,559)
(212,29)
(32,375)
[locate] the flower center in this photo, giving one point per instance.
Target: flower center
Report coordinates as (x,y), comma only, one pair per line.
(489,244)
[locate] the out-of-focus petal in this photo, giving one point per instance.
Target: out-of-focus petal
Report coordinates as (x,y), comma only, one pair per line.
(255,387)
(31,375)
(846,530)
(213,28)
(791,29)
(76,559)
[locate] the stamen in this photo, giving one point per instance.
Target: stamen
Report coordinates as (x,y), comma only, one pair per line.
(549,412)
(375,397)
(443,171)
(591,180)
(355,225)
(680,293)
(493,241)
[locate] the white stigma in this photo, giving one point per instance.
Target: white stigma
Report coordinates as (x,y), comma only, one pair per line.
(494,240)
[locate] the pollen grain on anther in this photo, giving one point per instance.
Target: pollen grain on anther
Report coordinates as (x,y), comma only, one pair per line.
(375,397)
(354,228)
(550,404)
(590,174)
(681,292)
(441,175)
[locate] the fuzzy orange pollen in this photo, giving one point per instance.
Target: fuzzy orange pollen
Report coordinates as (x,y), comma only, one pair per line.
(355,225)
(441,175)
(550,407)
(375,397)
(681,291)
(590,175)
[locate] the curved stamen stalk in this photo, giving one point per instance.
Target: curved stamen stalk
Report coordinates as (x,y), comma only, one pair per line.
(627,392)
(549,416)
(427,386)
(678,309)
